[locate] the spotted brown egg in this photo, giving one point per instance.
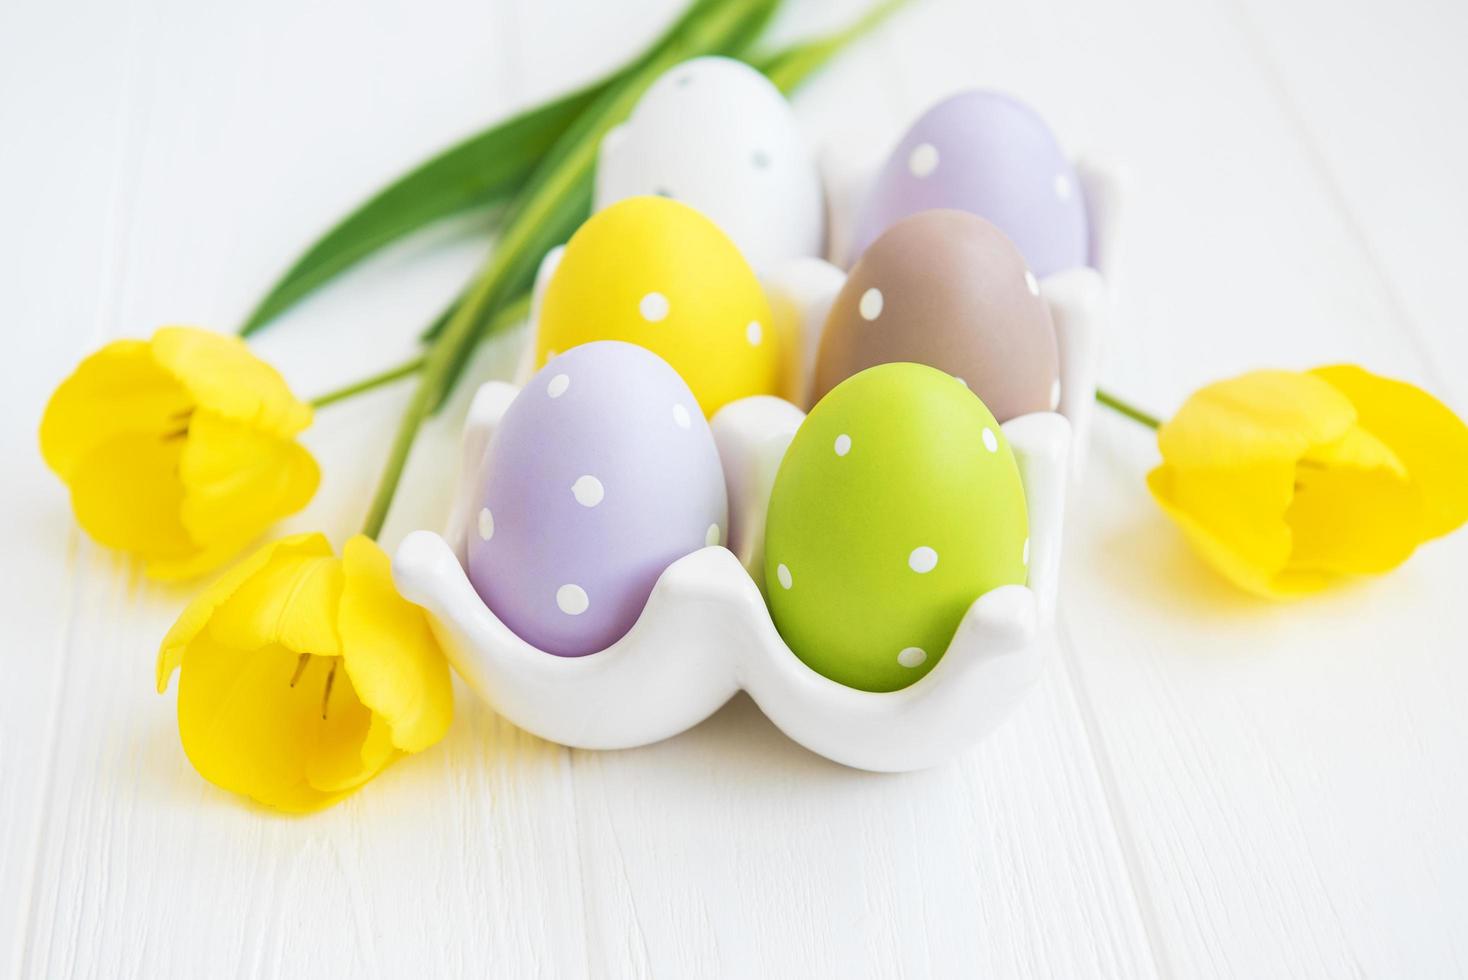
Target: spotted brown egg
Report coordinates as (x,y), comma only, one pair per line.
(601,474)
(897,504)
(947,289)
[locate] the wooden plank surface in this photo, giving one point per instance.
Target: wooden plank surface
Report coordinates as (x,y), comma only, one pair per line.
(1201,786)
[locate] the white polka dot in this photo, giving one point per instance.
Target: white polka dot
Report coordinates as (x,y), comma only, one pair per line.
(712,535)
(923,159)
(558,385)
(1026,555)
(588,491)
(680,416)
(1054,394)
(783,574)
(912,657)
(991,441)
(871,304)
(1062,186)
(843,444)
(753,333)
(486,524)
(654,307)
(1031,283)
(572,600)
(922,560)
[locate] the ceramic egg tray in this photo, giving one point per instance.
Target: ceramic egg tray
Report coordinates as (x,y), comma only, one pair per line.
(706,633)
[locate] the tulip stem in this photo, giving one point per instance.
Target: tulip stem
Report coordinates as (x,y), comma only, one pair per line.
(1128,409)
(509,315)
(403,370)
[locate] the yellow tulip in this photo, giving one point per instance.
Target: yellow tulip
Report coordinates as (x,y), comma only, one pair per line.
(180,449)
(302,674)
(1286,482)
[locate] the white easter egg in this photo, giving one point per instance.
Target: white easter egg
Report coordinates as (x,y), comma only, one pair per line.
(717,135)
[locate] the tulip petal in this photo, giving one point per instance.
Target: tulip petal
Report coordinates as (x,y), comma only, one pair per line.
(1355,511)
(395,662)
(238,480)
(195,617)
(126,494)
(119,390)
(1429,439)
(291,601)
(1228,473)
(246,728)
(349,747)
(224,376)
(1256,417)
(1248,545)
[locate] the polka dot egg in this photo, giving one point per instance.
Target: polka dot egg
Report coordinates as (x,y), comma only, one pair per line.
(717,135)
(897,505)
(657,273)
(947,289)
(991,155)
(601,474)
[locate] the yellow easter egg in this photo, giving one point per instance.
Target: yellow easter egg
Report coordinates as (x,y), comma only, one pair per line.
(654,272)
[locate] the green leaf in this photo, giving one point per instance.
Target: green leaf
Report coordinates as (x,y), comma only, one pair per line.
(483,170)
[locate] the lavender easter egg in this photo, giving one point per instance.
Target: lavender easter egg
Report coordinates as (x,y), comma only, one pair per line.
(601,474)
(994,156)
(946,289)
(715,134)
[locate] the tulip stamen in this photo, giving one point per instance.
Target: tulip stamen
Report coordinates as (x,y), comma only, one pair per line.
(300,668)
(183,416)
(326,694)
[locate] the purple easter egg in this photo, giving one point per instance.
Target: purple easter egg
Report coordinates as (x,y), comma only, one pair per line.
(991,155)
(602,473)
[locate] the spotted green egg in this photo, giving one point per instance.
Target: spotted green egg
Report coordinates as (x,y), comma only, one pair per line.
(897,505)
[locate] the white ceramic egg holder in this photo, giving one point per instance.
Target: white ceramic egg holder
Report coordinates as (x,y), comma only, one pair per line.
(706,633)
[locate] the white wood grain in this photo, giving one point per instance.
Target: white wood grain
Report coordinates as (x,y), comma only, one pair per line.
(1203,785)
(1286,775)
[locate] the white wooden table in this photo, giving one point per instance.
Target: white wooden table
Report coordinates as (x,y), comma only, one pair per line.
(1201,786)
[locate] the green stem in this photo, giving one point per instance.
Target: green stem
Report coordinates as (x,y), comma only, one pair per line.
(410,366)
(1128,409)
(544,194)
(511,313)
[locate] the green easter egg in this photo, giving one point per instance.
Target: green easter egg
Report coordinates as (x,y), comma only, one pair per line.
(896,506)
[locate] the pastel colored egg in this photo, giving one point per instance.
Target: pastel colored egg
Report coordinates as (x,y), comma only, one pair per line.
(657,273)
(991,155)
(897,505)
(947,289)
(714,133)
(601,474)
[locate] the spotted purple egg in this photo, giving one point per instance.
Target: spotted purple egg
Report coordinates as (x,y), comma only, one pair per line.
(602,473)
(994,156)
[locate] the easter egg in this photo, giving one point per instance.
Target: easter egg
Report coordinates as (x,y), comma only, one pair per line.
(947,289)
(991,155)
(896,506)
(657,273)
(717,135)
(600,475)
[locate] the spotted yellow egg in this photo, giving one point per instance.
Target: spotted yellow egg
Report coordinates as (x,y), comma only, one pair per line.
(655,272)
